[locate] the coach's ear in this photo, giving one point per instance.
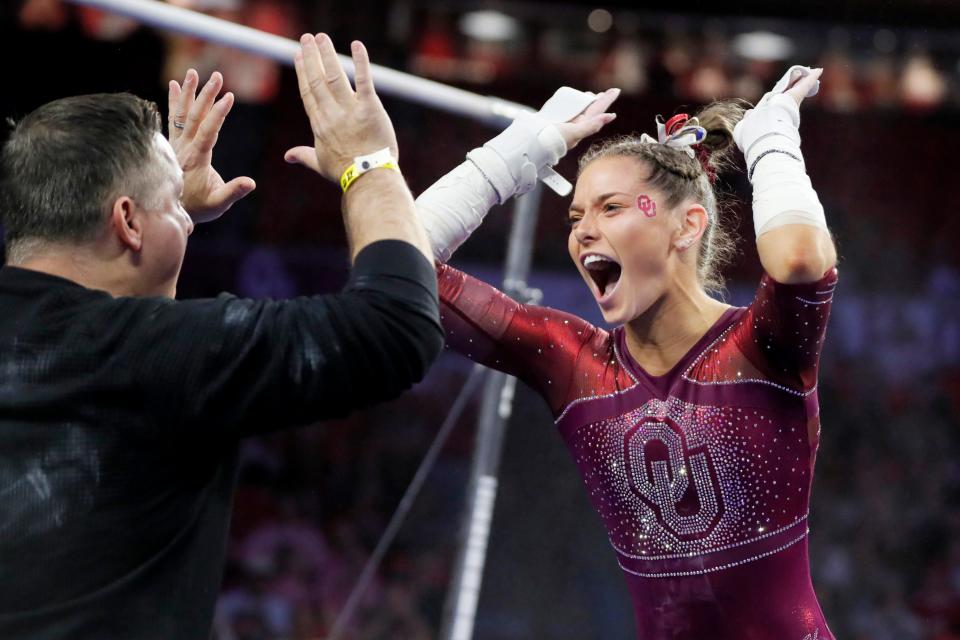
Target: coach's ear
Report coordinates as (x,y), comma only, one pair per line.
(126,224)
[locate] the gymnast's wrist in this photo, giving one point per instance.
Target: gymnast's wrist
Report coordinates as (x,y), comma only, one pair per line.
(773,146)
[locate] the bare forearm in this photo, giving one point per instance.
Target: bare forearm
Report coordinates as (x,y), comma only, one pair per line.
(379,206)
(796,253)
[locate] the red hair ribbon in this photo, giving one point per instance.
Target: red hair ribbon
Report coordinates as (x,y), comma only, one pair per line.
(703,155)
(675,123)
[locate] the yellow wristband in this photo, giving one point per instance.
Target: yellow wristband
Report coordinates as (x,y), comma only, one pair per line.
(381,159)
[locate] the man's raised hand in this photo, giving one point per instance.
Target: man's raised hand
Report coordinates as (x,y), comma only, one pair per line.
(345,123)
(193,127)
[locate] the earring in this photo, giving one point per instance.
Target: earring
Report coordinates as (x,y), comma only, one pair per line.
(686,243)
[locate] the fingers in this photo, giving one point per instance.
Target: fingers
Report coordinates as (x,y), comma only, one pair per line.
(178,115)
(343,127)
(313,69)
(602,103)
(306,95)
(802,87)
(228,193)
(215,202)
(201,106)
(173,99)
(209,129)
(336,79)
(576,131)
(361,70)
(307,156)
(601,121)
(591,120)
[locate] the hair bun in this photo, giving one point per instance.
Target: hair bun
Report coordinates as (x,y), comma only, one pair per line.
(718,118)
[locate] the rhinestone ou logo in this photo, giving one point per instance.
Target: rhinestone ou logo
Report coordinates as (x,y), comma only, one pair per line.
(676,482)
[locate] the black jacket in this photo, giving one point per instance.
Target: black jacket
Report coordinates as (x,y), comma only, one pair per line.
(119,423)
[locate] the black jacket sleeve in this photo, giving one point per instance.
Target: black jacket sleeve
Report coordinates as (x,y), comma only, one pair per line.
(236,366)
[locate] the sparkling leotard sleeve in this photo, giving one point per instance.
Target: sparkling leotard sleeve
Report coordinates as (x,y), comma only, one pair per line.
(788,324)
(777,341)
(558,354)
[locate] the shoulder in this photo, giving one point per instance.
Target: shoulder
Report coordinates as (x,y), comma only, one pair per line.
(599,373)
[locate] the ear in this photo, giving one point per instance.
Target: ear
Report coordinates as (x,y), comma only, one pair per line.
(126,223)
(693,223)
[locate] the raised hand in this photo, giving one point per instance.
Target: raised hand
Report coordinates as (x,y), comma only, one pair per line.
(777,112)
(593,118)
(801,86)
(345,123)
(193,127)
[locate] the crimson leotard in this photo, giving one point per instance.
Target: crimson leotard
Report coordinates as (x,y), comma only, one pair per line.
(702,475)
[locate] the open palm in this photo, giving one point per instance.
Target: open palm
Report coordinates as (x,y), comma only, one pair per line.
(194,126)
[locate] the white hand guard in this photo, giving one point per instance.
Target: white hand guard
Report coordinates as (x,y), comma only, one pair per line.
(769,138)
(528,148)
(510,164)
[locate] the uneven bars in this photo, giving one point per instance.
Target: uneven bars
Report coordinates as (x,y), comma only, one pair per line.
(487,109)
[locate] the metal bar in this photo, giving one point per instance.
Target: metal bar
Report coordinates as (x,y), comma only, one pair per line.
(488,109)
(464,594)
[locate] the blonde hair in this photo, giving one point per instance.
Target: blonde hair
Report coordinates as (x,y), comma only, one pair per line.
(681,177)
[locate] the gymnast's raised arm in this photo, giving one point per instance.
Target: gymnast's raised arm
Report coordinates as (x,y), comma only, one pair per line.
(510,164)
(793,240)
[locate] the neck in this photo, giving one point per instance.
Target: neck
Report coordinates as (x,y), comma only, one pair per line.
(82,265)
(661,336)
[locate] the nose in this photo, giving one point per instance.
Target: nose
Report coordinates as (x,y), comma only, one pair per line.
(586,229)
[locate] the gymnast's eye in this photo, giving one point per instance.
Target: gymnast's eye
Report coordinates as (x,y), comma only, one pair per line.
(573,220)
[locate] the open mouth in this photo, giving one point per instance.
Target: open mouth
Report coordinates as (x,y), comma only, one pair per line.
(604,271)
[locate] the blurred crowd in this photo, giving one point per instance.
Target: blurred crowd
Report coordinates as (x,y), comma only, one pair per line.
(869,68)
(885,517)
(312,503)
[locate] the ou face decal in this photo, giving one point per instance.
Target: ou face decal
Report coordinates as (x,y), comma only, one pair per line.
(647,205)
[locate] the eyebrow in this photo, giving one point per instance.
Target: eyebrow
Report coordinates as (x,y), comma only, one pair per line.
(576,207)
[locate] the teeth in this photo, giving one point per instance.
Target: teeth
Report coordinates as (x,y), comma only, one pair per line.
(591,259)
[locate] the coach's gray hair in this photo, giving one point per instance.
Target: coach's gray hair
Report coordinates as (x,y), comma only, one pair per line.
(67,161)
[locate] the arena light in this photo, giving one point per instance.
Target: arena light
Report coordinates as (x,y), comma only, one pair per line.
(600,20)
(489,26)
(762,45)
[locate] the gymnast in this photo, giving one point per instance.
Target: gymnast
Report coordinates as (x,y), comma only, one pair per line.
(694,424)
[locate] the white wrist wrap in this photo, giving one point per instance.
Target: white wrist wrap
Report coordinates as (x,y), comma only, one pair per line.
(525,152)
(510,164)
(453,207)
(769,138)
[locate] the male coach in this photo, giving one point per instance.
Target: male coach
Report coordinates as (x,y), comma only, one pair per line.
(120,407)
